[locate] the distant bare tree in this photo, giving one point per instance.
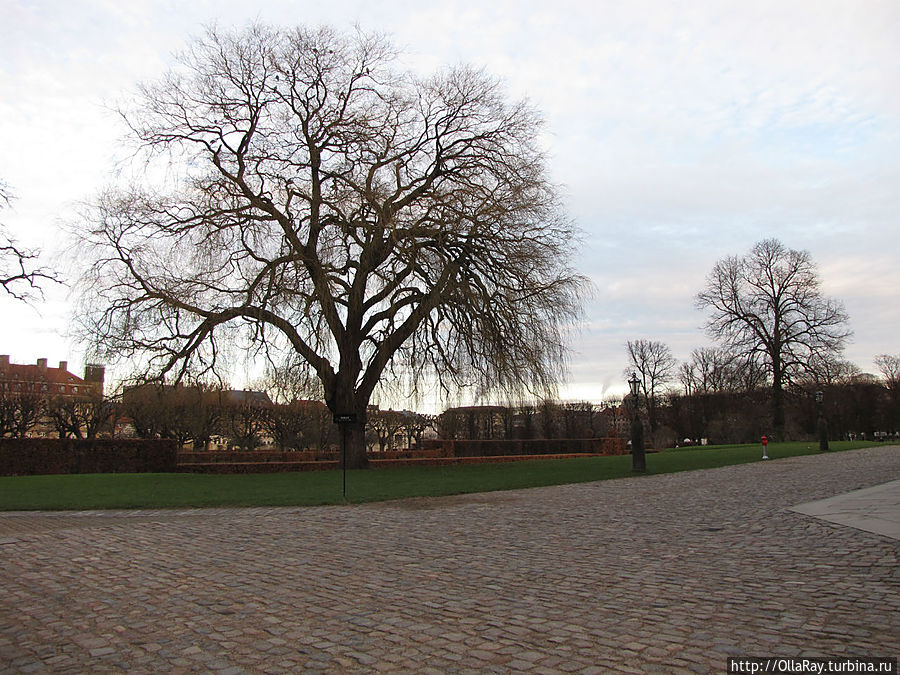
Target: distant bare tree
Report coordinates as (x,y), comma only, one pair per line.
(204,418)
(366,219)
(245,415)
(83,417)
(300,425)
(712,370)
(528,413)
(18,276)
(148,410)
(472,422)
(415,426)
(889,366)
(385,425)
(290,380)
(183,412)
(19,412)
(578,419)
(549,414)
(298,419)
(709,370)
(654,365)
(829,369)
(767,306)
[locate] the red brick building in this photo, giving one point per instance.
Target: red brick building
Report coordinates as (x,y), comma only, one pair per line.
(35,399)
(41,379)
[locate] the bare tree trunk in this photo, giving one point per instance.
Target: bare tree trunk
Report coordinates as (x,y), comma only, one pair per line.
(778,398)
(651,414)
(354,435)
(351,433)
(778,410)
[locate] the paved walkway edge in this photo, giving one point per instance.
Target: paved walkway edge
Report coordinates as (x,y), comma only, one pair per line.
(874,509)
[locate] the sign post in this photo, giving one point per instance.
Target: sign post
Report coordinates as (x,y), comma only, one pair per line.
(342,420)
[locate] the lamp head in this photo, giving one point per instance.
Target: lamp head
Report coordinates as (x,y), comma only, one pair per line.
(634,383)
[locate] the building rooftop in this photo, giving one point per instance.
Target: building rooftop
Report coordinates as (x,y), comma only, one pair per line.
(45,374)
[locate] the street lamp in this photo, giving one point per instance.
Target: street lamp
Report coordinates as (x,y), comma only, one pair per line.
(638,457)
(822,425)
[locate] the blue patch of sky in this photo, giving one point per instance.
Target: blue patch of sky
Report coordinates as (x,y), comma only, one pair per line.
(784,145)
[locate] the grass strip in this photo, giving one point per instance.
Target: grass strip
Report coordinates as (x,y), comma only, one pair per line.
(153,491)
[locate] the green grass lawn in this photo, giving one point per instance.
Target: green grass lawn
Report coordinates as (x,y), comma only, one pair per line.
(121,491)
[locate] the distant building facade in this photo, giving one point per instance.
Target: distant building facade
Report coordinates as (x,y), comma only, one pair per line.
(50,382)
(30,392)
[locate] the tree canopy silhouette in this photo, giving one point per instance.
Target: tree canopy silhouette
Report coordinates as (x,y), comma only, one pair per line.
(767,307)
(319,200)
(653,363)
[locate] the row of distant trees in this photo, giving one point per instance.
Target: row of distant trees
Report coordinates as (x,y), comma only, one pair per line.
(199,414)
(855,405)
(23,413)
(778,340)
(542,419)
(193,414)
(726,396)
(196,415)
(710,397)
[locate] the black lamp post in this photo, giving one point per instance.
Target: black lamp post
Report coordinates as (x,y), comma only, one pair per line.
(822,425)
(638,457)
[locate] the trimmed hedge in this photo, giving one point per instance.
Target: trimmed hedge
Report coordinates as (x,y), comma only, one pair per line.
(537,446)
(455,461)
(254,456)
(434,452)
(374,462)
(292,456)
(257,467)
(39,456)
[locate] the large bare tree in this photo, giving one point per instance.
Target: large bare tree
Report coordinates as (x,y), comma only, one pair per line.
(317,199)
(767,306)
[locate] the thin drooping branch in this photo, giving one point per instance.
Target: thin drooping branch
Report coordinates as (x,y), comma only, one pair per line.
(19,276)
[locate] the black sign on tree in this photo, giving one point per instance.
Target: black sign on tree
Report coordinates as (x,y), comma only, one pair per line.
(342,420)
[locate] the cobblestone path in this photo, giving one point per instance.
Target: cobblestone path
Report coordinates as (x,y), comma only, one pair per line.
(667,573)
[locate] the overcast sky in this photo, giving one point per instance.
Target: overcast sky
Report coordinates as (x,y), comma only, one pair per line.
(682,132)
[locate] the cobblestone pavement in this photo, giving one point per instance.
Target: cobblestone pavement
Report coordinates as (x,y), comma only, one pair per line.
(667,573)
